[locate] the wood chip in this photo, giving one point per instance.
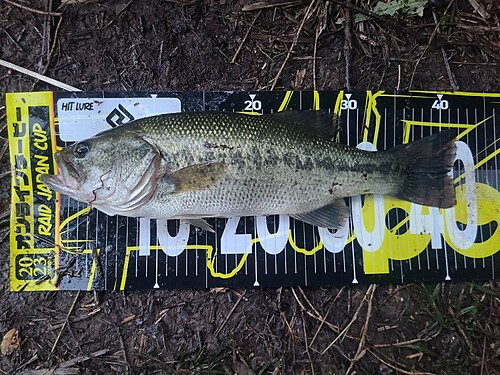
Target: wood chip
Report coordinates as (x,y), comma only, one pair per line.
(128,319)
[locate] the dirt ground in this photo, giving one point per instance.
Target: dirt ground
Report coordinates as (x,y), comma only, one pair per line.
(243,45)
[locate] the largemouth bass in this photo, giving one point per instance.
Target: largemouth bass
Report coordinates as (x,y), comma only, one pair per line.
(220,164)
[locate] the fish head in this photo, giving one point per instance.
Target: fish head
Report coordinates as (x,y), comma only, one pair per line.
(117,172)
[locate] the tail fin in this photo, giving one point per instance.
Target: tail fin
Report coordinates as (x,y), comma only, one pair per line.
(427,163)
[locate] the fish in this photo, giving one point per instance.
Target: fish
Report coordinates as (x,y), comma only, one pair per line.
(198,165)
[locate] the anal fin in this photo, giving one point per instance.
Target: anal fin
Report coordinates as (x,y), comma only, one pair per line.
(200,223)
(334,215)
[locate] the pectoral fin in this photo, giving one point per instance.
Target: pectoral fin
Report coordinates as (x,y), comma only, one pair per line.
(197,177)
(333,216)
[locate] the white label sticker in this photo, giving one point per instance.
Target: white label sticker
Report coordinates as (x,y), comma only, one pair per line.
(82,118)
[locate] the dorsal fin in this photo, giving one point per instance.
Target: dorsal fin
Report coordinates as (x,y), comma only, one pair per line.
(319,123)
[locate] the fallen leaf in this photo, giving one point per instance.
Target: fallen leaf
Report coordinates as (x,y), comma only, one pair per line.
(10,342)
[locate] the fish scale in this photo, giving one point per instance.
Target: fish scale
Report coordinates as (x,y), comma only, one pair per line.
(222,164)
(272,165)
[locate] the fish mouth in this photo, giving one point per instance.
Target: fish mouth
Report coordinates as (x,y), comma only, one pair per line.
(67,181)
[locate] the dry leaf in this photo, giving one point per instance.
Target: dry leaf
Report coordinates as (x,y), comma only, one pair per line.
(10,342)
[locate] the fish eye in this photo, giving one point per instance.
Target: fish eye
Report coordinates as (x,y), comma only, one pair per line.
(81,150)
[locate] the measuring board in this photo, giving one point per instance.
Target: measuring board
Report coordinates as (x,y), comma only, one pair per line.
(58,243)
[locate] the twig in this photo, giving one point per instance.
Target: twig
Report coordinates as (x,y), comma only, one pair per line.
(360,352)
(316,314)
(323,320)
(314,59)
(306,343)
(483,355)
(46,32)
(431,38)
(73,336)
(35,75)
(125,356)
(56,35)
(478,7)
(402,343)
(347,47)
(11,39)
(451,76)
(119,14)
(233,60)
(394,367)
(265,5)
(97,260)
(53,371)
(64,323)
(3,150)
(347,327)
(34,358)
(4,215)
(320,27)
(219,329)
(399,78)
(83,358)
(24,7)
(294,43)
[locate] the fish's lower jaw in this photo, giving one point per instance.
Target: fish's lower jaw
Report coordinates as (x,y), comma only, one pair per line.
(59,183)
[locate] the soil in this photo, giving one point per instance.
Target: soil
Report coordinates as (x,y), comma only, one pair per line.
(188,45)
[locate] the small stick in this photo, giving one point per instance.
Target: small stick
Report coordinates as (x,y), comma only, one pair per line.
(323,320)
(294,43)
(306,343)
(96,259)
(320,26)
(83,358)
(44,13)
(347,47)
(451,76)
(3,150)
(35,75)
(65,322)
(394,367)
(478,7)
(125,356)
(314,59)
(233,60)
(56,35)
(265,5)
(317,315)
(46,32)
(347,327)
(483,355)
(361,346)
(119,14)
(219,329)
(431,38)
(11,39)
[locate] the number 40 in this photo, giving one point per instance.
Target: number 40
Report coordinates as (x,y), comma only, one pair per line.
(440,104)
